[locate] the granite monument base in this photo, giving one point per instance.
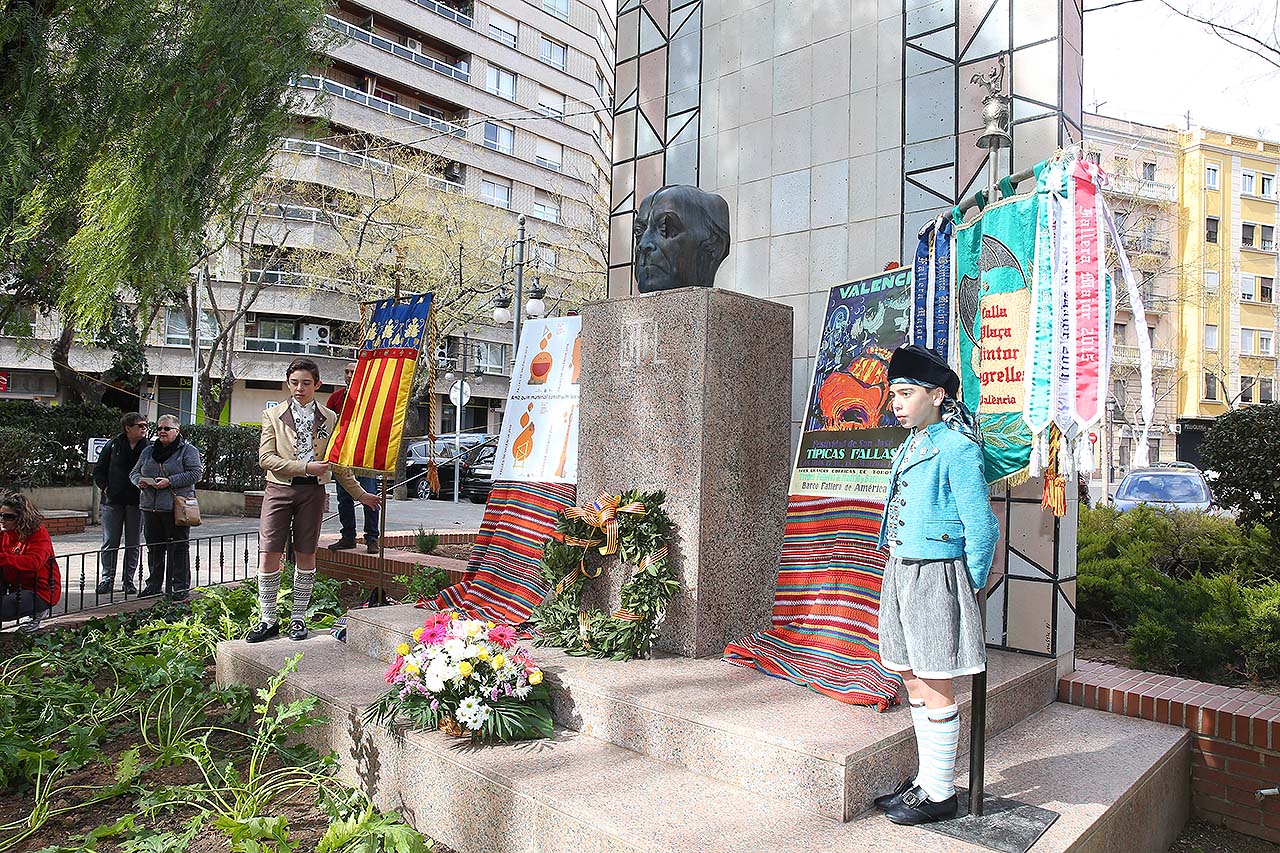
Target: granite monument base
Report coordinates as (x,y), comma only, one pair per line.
(689,391)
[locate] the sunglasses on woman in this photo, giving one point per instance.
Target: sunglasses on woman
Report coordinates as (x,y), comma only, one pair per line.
(8,516)
(166,429)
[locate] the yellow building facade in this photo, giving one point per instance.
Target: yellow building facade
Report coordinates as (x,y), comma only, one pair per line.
(1226,310)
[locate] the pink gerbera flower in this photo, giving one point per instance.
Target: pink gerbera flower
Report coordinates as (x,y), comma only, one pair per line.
(503,635)
(432,634)
(394,670)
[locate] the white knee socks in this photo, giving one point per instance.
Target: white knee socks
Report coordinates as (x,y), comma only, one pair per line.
(268,593)
(302,583)
(937,737)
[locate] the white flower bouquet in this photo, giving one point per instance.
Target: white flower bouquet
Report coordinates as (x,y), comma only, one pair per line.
(468,678)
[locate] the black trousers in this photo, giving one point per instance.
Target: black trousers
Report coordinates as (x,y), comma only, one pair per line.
(168,566)
(14,605)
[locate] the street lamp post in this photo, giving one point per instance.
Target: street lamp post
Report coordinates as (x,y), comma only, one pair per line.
(511,308)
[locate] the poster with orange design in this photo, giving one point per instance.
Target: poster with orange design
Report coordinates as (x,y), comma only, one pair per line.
(539,438)
(849,433)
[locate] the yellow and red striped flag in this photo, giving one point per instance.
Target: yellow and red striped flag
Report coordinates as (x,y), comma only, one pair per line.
(371,424)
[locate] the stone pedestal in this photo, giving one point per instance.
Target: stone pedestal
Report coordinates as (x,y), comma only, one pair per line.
(689,391)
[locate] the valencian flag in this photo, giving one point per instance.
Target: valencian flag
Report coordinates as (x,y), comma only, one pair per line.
(371,423)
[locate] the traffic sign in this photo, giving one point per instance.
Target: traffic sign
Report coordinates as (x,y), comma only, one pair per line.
(460,393)
(94,447)
(1093,438)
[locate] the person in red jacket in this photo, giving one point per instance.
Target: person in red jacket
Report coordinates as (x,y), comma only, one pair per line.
(30,583)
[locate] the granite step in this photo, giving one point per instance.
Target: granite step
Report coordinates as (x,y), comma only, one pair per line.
(740,726)
(1118,783)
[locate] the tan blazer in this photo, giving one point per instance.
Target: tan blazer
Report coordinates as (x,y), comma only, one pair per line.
(279,458)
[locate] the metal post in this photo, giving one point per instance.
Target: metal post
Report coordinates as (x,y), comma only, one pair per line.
(517,307)
(195,344)
(457,421)
(996,114)
(379,596)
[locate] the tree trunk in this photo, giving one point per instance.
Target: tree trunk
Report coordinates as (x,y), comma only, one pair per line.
(71,387)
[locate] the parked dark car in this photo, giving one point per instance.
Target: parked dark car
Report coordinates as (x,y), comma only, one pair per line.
(1167,487)
(477,480)
(420,452)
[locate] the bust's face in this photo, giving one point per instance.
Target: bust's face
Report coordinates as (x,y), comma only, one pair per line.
(668,241)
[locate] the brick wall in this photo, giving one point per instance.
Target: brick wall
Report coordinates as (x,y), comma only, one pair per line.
(64,522)
(253,504)
(1235,736)
(362,568)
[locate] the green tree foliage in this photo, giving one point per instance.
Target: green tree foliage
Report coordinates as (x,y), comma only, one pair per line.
(1244,448)
(125,126)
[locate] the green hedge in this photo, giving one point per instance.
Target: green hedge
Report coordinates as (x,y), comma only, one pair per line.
(45,445)
(230,456)
(1193,594)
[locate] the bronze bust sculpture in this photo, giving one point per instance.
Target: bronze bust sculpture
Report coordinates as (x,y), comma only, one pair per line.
(681,238)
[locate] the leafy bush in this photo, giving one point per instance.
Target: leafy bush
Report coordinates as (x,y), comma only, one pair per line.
(425,582)
(230,456)
(425,542)
(44,445)
(1244,448)
(1193,594)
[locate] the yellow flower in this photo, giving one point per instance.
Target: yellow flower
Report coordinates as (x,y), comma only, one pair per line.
(535,677)
(464,668)
(453,614)
(488,625)
(402,649)
(411,668)
(483,654)
(417,634)
(499,661)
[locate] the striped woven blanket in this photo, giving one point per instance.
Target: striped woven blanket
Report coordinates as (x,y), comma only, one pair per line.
(503,583)
(825,632)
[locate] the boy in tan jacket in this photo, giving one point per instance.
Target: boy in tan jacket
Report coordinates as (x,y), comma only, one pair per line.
(292,450)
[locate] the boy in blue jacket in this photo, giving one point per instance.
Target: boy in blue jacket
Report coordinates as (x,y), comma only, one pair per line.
(941,535)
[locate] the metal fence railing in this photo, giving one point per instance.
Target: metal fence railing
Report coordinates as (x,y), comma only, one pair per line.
(212,560)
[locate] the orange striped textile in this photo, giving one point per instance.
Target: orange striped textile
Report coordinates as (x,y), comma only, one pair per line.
(826,608)
(504,579)
(371,423)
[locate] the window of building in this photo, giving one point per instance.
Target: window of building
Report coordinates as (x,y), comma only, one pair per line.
(1266,390)
(496,190)
(545,206)
(1247,232)
(503,29)
(598,129)
(177,333)
(559,8)
(1265,342)
(1246,341)
(545,257)
(1211,229)
(550,102)
(1148,171)
(1266,285)
(553,52)
(491,357)
(1120,392)
(599,83)
(1268,238)
(499,137)
(1268,189)
(1093,157)
(502,83)
(1211,176)
(1210,386)
(1151,335)
(1122,330)
(1247,284)
(1211,279)
(550,155)
(1248,183)
(1122,165)
(1246,389)
(1211,337)
(273,334)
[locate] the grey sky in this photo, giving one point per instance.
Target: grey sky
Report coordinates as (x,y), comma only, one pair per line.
(1147,64)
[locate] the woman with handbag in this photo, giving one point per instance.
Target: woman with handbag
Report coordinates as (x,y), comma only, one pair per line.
(167,473)
(30,584)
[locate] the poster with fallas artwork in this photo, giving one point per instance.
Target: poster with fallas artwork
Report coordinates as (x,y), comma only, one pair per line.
(849,432)
(539,438)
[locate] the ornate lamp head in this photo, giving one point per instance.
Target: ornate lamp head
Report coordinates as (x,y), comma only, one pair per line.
(995,108)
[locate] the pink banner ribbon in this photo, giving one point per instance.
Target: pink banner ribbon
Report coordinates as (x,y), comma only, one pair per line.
(1086,362)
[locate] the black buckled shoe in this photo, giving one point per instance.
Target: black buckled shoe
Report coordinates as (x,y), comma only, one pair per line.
(263,632)
(890,800)
(297,629)
(916,808)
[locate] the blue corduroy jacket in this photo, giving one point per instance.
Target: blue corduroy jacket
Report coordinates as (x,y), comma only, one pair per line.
(944,504)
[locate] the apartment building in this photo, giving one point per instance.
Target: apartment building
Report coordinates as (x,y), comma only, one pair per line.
(1228,322)
(1142,163)
(511,101)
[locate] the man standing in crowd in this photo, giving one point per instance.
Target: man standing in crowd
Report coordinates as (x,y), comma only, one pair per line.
(347,504)
(292,450)
(120,513)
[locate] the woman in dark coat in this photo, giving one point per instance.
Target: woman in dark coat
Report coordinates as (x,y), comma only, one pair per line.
(169,466)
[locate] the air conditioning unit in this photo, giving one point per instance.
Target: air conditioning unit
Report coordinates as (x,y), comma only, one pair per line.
(315,334)
(1175,429)
(251,316)
(413,44)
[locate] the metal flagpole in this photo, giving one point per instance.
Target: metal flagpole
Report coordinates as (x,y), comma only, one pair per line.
(995,112)
(381,594)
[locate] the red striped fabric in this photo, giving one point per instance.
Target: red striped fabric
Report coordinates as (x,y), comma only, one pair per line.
(503,582)
(826,609)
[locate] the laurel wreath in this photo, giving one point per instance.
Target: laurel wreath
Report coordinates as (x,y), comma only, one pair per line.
(634,528)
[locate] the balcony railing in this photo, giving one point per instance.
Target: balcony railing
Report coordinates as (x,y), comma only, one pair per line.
(360,161)
(1139,188)
(298,348)
(290,278)
(322,84)
(351,31)
(1146,245)
(1161,359)
(446,12)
